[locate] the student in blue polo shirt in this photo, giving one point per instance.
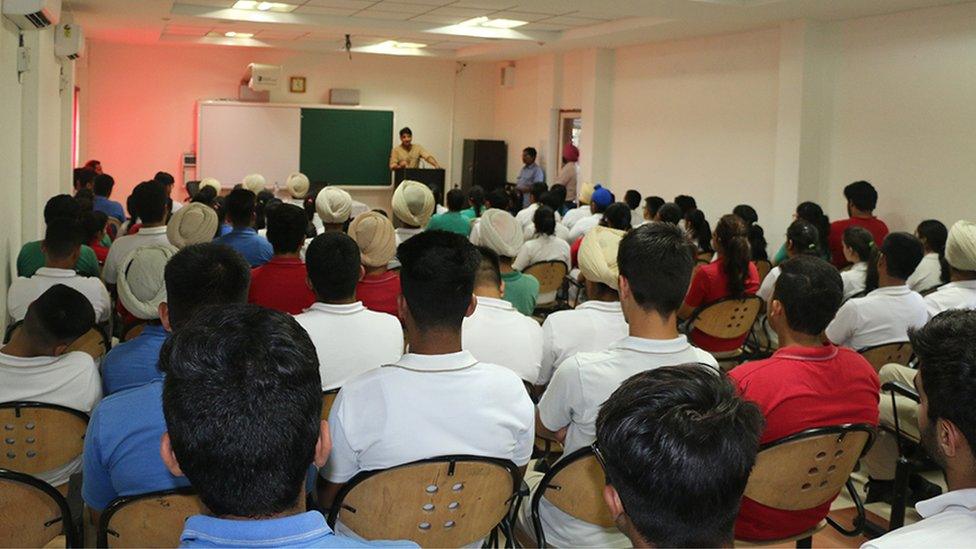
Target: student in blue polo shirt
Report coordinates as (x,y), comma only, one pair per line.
(121,454)
(243,401)
(241,205)
(103,190)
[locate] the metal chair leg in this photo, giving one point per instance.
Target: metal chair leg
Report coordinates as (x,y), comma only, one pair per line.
(805,543)
(902,472)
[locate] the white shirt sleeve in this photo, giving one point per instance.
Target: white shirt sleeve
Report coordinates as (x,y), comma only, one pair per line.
(523,259)
(343,463)
(549,353)
(103,303)
(111,267)
(841,328)
(563,395)
(768,285)
(525,438)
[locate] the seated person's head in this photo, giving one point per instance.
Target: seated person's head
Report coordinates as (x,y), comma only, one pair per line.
(498,199)
(242,399)
(103,185)
(655,261)
(686,203)
(286,228)
(142,281)
(488,278)
(54,321)
(553,199)
(808,293)
(83,178)
(241,205)
(560,192)
(538,189)
(900,255)
(651,205)
(544,220)
(63,238)
(456,200)
(93,226)
(669,213)
(376,238)
(413,204)
(62,205)
(600,200)
(677,445)
(960,251)
(334,268)
(598,255)
(633,199)
(861,195)
(201,275)
(85,199)
(94,165)
(195,223)
(437,280)
(500,232)
(617,217)
(334,206)
(858,244)
(802,238)
(206,195)
(152,201)
(167,180)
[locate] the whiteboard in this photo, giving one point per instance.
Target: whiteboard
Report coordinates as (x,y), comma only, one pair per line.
(238,139)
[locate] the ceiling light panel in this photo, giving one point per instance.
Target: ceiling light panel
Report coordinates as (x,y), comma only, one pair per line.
(271,7)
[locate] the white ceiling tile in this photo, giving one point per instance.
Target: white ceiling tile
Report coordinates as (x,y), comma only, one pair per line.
(399,7)
(467,12)
(279,35)
(186,31)
(385,15)
(317,10)
(571,21)
(214,3)
(343,4)
(429,3)
(440,19)
(544,26)
(520,16)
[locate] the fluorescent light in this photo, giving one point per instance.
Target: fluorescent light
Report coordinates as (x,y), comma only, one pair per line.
(233,34)
(408,45)
(504,23)
(280,7)
(264,6)
(476,22)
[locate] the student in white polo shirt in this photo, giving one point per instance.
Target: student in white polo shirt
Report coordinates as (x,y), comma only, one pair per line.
(655,261)
(595,324)
(349,338)
(496,332)
(960,292)
(886,314)
(62,248)
(946,383)
(152,202)
(437,399)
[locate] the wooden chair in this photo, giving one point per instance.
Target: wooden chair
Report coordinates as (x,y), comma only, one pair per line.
(550,275)
(328,399)
(808,469)
(448,501)
(763,266)
(95,342)
(32,512)
(728,318)
(40,437)
(890,353)
(574,485)
(148,520)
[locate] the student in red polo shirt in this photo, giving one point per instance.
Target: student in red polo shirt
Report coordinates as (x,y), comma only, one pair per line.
(376,238)
(731,275)
(862,198)
(805,384)
(282,283)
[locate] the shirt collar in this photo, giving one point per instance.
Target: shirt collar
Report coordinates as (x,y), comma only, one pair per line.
(495,303)
(56,273)
(860,266)
(813,354)
(152,230)
(239,230)
(901,289)
(655,346)
(293,530)
(437,363)
(965,499)
(967,284)
(605,306)
(337,309)
(278,260)
(154,330)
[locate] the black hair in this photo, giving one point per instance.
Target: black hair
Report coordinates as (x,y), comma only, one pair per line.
(85,199)
(732,237)
(933,235)
(91,164)
(653,204)
(61,205)
(476,197)
(617,216)
(333,262)
(804,237)
(437,278)
(58,316)
(699,230)
(83,177)
(104,184)
(531,152)
(553,200)
(93,223)
(265,200)
(811,291)
(544,220)
(242,398)
(201,275)
(757,236)
(559,191)
(455,200)
(538,189)
(150,199)
(206,195)
(862,195)
(164,178)
(286,228)
(670,213)
(902,254)
(686,203)
(489,269)
(814,214)
(406,131)
(657,260)
(498,199)
(62,237)
(241,204)
(861,241)
(678,444)
(633,199)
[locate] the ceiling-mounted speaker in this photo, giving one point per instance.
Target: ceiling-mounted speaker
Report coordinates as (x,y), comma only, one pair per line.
(508,76)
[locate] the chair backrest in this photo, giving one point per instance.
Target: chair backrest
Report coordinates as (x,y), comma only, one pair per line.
(550,275)
(809,468)
(328,399)
(148,520)
(40,437)
(32,512)
(575,486)
(890,353)
(448,501)
(94,342)
(728,318)
(763,266)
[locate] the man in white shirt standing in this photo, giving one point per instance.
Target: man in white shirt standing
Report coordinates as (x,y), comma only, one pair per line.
(62,248)
(946,384)
(960,292)
(34,365)
(151,202)
(349,338)
(437,399)
(655,262)
(886,314)
(496,332)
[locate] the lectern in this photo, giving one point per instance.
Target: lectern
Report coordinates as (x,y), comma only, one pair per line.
(433,178)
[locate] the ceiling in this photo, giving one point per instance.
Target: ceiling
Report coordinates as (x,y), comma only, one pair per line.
(551,25)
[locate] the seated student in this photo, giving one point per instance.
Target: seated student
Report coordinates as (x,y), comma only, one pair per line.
(256,249)
(812,213)
(946,382)
(524,216)
(122,444)
(651,205)
(686,203)
(583,210)
(599,321)
(61,248)
(93,226)
(349,338)
(141,291)
(558,203)
(31,256)
(244,432)
(35,365)
(84,178)
(333,207)
(552,199)
(886,314)
(801,239)
(195,223)
(497,199)
(546,246)
(500,233)
(655,265)
(151,204)
(960,292)
(633,200)
(617,217)
(453,220)
(731,275)
(379,288)
(378,421)
(476,202)
(168,182)
(103,185)
(496,332)
(933,271)
(862,198)
(282,283)
(805,383)
(700,232)
(413,205)
(297,186)
(599,202)
(254,182)
(757,237)
(676,479)
(860,251)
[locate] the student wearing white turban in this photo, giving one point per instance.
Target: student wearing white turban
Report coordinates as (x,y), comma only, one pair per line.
(574,215)
(376,238)
(502,234)
(297,185)
(960,292)
(334,207)
(194,224)
(413,206)
(210,182)
(598,260)
(255,183)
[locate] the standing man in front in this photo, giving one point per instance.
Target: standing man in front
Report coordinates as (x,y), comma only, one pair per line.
(408,155)
(531,173)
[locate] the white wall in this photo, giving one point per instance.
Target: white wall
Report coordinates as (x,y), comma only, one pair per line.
(10,152)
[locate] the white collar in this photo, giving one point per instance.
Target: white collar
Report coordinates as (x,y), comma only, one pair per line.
(605,306)
(965,499)
(966,284)
(899,290)
(931,255)
(337,309)
(494,303)
(860,266)
(148,231)
(437,363)
(407,231)
(654,346)
(20,361)
(52,272)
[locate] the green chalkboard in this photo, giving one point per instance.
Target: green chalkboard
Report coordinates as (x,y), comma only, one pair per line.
(346,146)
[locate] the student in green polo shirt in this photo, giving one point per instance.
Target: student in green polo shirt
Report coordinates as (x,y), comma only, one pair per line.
(500,233)
(452,221)
(31,257)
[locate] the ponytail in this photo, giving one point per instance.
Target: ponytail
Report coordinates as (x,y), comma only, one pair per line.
(935,234)
(814,214)
(732,237)
(476,196)
(803,238)
(757,237)
(700,230)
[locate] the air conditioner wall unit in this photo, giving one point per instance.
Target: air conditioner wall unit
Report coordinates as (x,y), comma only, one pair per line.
(262,77)
(32,14)
(69,41)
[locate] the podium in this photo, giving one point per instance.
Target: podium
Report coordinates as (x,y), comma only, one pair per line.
(433,178)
